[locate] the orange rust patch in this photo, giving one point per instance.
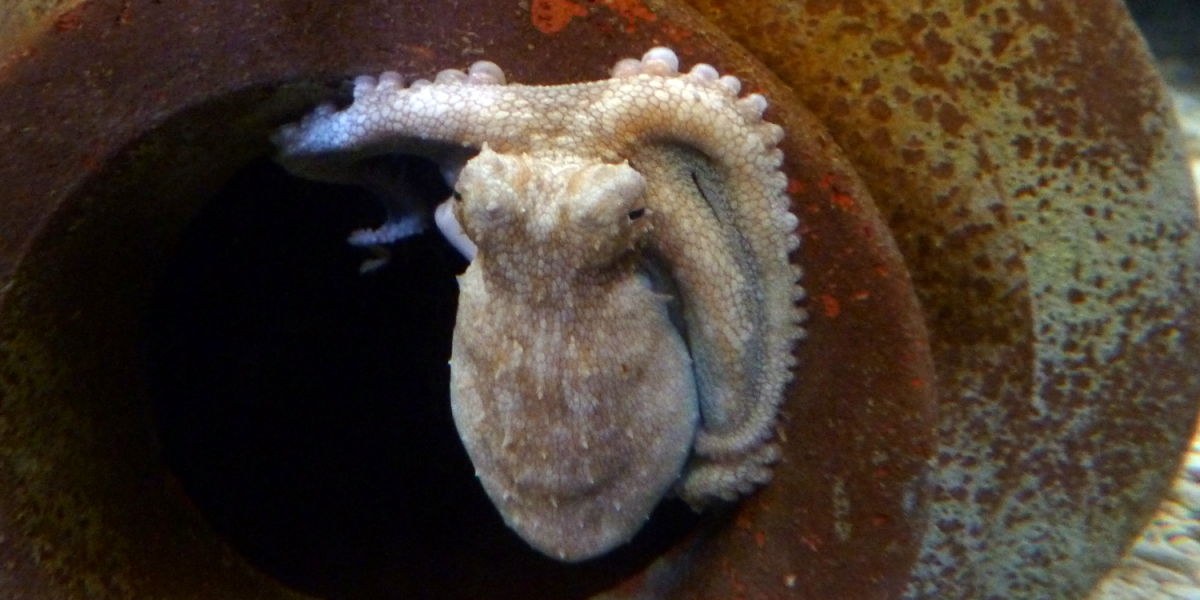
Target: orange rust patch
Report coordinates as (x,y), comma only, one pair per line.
(843,201)
(951,119)
(551,16)
(675,33)
(630,10)
(832,307)
(69,21)
(126,16)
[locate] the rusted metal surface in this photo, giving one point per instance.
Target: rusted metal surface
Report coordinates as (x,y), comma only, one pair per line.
(123,125)
(22,20)
(1025,157)
(836,522)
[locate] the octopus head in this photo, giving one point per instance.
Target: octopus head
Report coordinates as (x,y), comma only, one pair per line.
(571,213)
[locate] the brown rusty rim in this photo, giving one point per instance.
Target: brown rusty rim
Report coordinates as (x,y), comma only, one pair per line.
(124,156)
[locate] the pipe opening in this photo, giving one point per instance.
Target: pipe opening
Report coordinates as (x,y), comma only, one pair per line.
(305,407)
(195,373)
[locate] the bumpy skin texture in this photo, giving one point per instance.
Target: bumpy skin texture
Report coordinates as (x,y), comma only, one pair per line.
(571,387)
(576,431)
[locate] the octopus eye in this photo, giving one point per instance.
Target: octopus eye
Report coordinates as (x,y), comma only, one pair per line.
(457,196)
(636,214)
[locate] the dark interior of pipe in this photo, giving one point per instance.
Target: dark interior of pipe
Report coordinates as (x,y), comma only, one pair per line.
(1170,27)
(304,406)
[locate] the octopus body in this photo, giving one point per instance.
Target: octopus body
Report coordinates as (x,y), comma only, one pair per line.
(626,324)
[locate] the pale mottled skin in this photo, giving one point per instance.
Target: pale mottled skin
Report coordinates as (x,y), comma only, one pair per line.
(578,397)
(576,430)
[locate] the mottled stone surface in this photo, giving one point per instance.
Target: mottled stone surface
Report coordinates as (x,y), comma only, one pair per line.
(1024,156)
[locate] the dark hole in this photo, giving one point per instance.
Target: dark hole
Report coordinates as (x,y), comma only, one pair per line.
(1170,28)
(304,407)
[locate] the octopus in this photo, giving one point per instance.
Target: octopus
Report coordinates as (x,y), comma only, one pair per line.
(626,324)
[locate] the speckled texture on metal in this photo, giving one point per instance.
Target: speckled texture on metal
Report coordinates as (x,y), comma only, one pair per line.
(1025,157)
(21,20)
(122,124)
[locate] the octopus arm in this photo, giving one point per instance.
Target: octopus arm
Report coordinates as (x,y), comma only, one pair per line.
(712,166)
